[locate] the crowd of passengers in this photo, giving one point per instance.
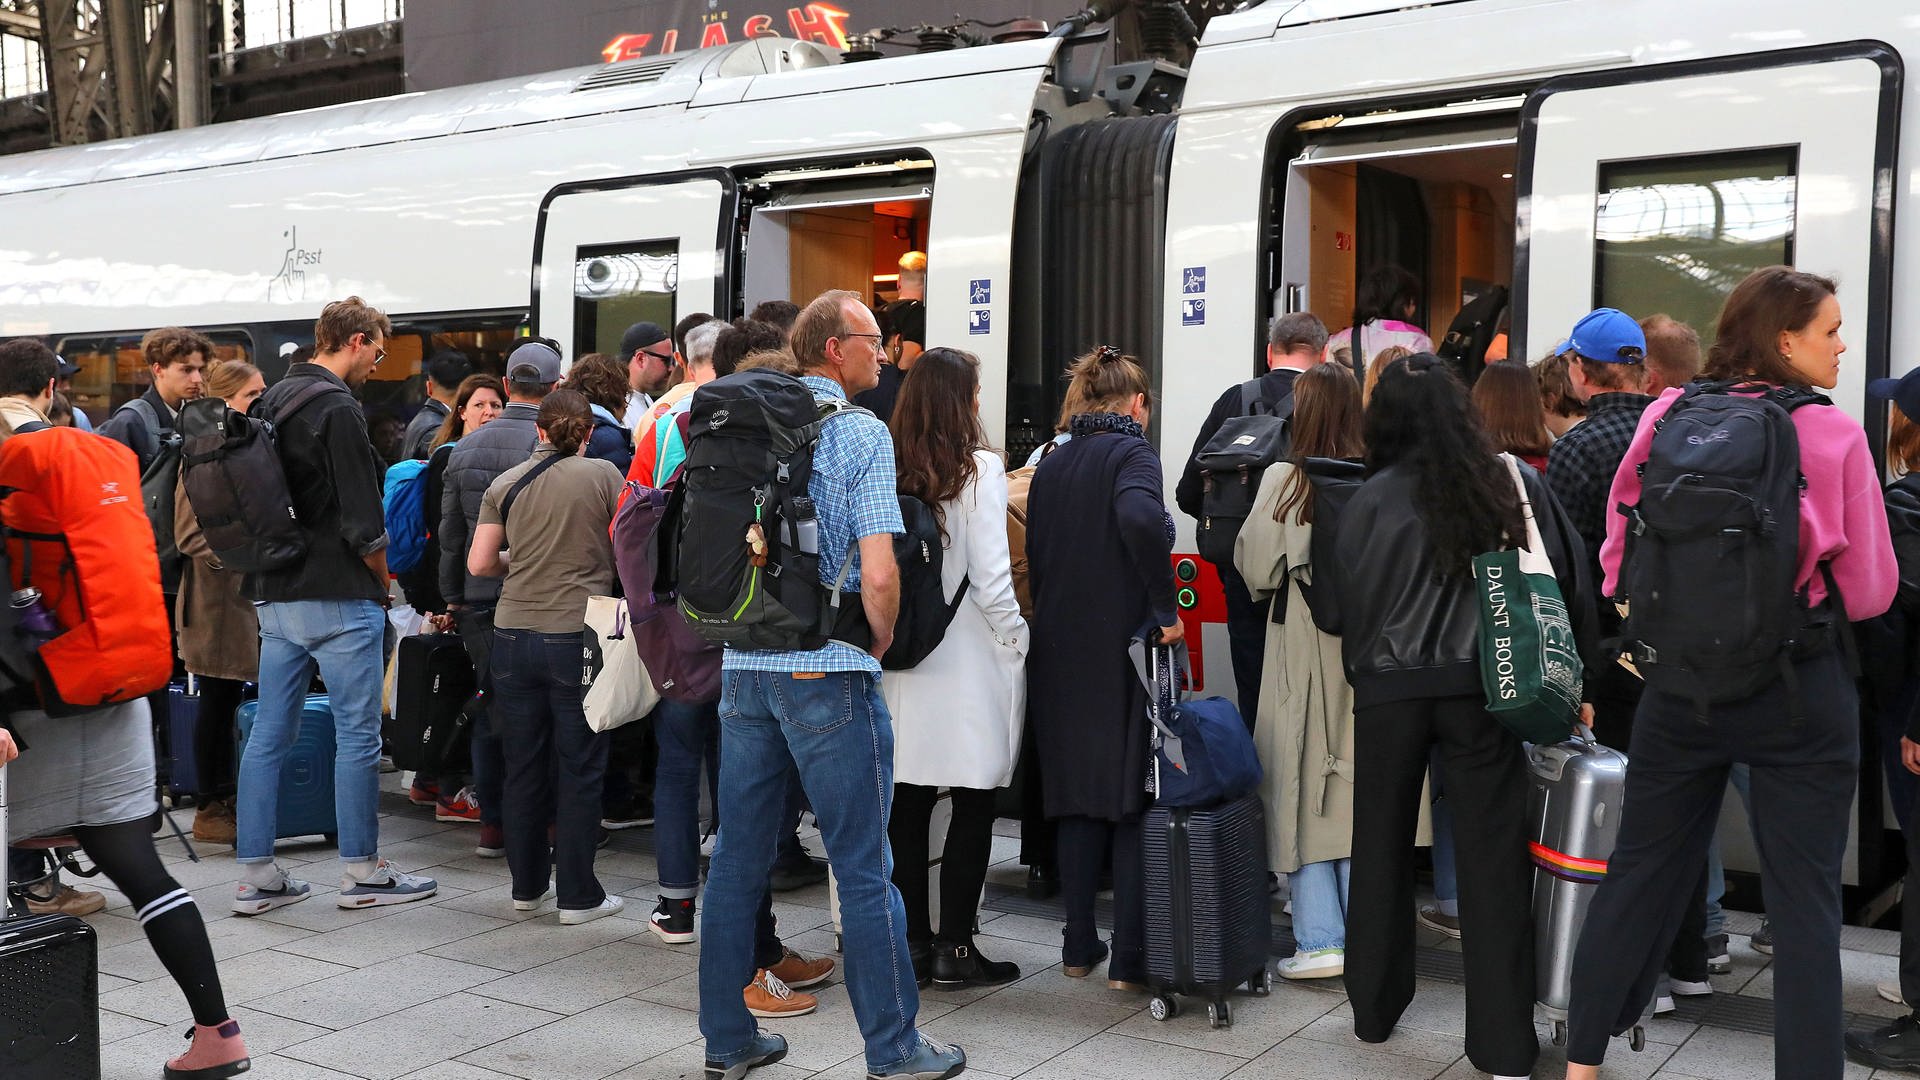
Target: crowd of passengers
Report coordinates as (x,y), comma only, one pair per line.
(1353,625)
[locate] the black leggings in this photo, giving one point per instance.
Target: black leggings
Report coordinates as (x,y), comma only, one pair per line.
(213,738)
(963,865)
(125,853)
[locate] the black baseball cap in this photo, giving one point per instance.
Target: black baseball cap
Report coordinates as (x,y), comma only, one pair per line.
(1904,392)
(639,336)
(64,368)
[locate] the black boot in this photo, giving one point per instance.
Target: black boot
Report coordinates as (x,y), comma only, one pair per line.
(1043,883)
(956,966)
(1896,1046)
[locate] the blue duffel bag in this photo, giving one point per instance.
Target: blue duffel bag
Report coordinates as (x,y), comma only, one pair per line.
(1203,754)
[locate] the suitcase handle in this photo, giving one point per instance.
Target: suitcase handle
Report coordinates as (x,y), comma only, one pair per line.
(1549,760)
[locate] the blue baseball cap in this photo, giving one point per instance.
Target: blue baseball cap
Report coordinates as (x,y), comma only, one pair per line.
(1608,336)
(1904,392)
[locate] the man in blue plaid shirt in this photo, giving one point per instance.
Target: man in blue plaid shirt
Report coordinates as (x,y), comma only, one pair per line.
(821,711)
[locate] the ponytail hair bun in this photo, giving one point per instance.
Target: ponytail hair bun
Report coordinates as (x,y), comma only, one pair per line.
(567,420)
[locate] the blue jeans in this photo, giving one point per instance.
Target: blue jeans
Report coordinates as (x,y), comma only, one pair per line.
(555,766)
(1319,892)
(835,729)
(1742,778)
(688,735)
(345,639)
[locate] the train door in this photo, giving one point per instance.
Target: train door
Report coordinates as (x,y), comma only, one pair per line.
(1658,189)
(612,253)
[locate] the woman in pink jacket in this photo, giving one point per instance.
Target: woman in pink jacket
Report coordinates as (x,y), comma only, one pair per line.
(1800,733)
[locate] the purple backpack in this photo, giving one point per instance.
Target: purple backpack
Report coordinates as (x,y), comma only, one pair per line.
(684,666)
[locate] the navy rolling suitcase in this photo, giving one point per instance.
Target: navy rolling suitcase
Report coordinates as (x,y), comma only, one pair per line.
(432,689)
(49,990)
(1210,930)
(305,806)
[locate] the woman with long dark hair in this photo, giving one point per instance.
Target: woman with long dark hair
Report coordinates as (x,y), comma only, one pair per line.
(1800,736)
(1305,728)
(1099,543)
(1508,400)
(957,715)
(1386,297)
(553,514)
(1436,495)
(476,402)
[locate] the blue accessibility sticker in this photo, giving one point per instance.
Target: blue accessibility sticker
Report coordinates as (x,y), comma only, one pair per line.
(1193,312)
(1193,280)
(980,291)
(980,321)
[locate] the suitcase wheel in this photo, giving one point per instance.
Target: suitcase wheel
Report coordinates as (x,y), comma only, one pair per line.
(1219,1014)
(1261,984)
(1559,1033)
(1637,1038)
(1163,1007)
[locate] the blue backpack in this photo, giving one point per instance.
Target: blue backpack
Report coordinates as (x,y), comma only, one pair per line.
(404,505)
(1203,754)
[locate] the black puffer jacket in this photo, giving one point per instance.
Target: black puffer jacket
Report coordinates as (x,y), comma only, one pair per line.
(1406,633)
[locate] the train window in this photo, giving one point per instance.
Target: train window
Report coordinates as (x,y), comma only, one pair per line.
(113,370)
(1676,235)
(615,286)
(397,388)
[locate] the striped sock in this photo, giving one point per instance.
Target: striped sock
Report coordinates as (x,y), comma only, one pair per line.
(161,905)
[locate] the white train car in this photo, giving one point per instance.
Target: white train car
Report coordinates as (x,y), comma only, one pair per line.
(1638,153)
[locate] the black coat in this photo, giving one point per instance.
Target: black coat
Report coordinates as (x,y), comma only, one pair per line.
(1406,632)
(1098,561)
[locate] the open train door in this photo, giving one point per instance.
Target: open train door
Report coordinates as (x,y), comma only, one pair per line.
(1657,189)
(611,253)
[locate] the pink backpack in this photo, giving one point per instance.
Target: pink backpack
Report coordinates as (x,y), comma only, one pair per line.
(684,666)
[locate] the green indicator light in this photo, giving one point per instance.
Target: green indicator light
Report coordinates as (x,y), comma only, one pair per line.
(1185,570)
(1187,599)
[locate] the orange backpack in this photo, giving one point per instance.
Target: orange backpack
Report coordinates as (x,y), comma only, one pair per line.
(77,530)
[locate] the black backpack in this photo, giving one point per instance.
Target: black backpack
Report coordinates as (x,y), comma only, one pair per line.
(1231,465)
(925,611)
(1714,544)
(1471,332)
(159,478)
(236,485)
(748,555)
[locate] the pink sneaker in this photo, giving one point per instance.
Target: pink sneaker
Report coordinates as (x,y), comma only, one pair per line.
(216,1053)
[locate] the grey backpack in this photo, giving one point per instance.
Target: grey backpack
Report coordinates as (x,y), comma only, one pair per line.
(1231,465)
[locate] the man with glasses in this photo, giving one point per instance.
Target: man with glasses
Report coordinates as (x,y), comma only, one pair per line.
(328,611)
(1606,364)
(648,350)
(820,712)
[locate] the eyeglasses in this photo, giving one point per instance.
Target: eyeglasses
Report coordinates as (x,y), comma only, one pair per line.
(379,355)
(876,338)
(665,357)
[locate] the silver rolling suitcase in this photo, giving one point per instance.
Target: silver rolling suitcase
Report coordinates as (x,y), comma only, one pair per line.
(1578,788)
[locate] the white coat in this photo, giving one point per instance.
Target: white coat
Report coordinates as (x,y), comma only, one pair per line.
(957,715)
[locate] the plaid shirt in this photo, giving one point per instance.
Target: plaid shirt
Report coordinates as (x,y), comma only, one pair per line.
(853,490)
(1580,469)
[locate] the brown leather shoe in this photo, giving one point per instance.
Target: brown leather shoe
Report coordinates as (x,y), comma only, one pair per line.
(800,973)
(213,823)
(769,996)
(68,901)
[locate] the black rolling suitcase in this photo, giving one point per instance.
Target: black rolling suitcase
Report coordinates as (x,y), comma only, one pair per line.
(1210,923)
(49,991)
(431,691)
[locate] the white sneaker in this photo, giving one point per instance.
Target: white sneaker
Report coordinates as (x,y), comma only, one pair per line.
(1663,1005)
(533,904)
(1318,964)
(576,916)
(1890,991)
(1690,989)
(386,885)
(255,900)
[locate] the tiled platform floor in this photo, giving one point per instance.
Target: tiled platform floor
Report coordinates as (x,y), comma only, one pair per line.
(464,988)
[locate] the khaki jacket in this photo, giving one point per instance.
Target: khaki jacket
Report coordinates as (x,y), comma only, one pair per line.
(218,633)
(1304,726)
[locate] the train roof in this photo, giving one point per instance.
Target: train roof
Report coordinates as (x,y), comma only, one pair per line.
(758,69)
